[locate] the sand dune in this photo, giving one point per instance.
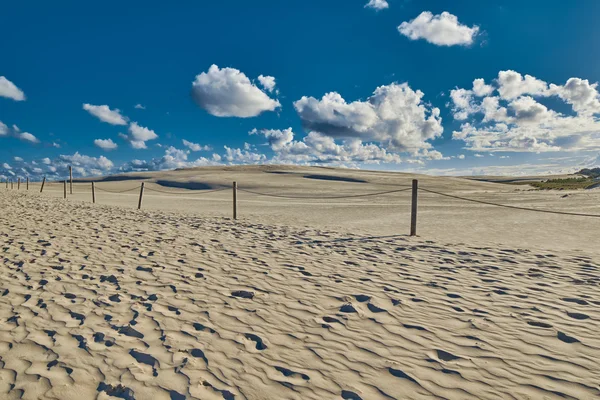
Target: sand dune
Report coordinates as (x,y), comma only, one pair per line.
(440,218)
(101,301)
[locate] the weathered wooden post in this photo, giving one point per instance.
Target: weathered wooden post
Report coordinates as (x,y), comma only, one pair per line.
(234,200)
(413,213)
(7,183)
(18,183)
(43,182)
(93,193)
(70,179)
(141,195)
(12,185)
(65,185)
(27,183)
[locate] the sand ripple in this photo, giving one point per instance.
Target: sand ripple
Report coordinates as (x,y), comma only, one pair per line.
(103,302)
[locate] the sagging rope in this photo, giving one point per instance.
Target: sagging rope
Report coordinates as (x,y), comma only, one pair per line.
(185,193)
(118,191)
(322,197)
(512,207)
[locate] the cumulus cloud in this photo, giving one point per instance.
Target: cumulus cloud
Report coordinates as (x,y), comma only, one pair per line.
(512,84)
(28,137)
(480,89)
(580,94)
(105,144)
(10,90)
(18,159)
(377,4)
(267,82)
(138,136)
(316,148)
(195,146)
(105,114)
(517,121)
(394,116)
(172,159)
(17,133)
(228,92)
(139,107)
(6,166)
(442,30)
(58,168)
(239,156)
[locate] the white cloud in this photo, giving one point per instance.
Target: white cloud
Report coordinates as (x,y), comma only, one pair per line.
(442,30)
(138,144)
(54,144)
(6,166)
(267,82)
(18,159)
(10,90)
(28,137)
(139,107)
(228,92)
(377,4)
(461,157)
(105,144)
(138,136)
(105,114)
(316,148)
(393,116)
(238,156)
(516,121)
(511,84)
(84,163)
(582,95)
(46,161)
(3,129)
(480,89)
(172,159)
(195,146)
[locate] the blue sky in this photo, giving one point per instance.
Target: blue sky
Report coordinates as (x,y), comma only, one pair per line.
(389,85)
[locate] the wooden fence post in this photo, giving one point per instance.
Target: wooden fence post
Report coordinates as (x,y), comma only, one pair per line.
(18,183)
(234,200)
(70,179)
(141,195)
(7,183)
(12,185)
(413,213)
(43,182)
(27,183)
(93,193)
(65,182)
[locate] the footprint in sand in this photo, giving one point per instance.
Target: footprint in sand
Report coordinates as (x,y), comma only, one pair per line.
(538,324)
(243,294)
(578,316)
(260,345)
(348,395)
(566,338)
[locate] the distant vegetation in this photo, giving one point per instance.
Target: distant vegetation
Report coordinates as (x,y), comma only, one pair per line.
(564,184)
(590,172)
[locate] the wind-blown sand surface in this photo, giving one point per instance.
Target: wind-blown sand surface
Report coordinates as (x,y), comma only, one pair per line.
(99,301)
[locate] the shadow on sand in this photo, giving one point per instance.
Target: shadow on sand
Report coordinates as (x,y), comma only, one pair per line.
(334,178)
(187,185)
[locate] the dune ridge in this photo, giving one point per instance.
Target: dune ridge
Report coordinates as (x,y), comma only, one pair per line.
(108,302)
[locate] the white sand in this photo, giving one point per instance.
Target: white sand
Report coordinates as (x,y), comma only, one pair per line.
(96,296)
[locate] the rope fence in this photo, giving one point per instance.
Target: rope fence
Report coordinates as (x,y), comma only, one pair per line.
(414,188)
(322,197)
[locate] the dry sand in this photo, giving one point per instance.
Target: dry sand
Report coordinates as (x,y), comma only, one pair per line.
(100,301)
